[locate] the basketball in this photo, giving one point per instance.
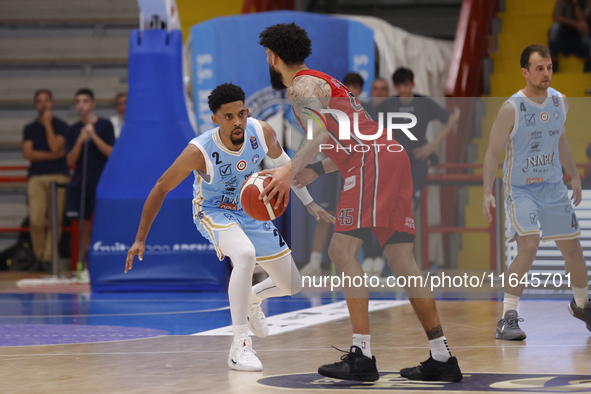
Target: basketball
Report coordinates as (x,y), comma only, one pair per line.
(249,198)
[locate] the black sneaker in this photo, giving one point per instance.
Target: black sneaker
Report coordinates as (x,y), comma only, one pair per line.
(583,314)
(354,366)
(433,370)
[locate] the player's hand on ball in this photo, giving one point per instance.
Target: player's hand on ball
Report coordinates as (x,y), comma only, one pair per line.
(280,185)
(137,248)
(305,177)
(319,213)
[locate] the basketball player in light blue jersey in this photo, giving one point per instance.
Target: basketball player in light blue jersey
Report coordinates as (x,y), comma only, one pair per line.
(530,125)
(221,159)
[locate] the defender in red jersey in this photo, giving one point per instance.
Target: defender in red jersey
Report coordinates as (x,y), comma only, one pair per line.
(376,196)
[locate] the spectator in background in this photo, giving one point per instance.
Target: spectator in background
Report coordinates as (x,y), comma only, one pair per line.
(569,33)
(586,182)
(426,110)
(99,135)
(354,82)
(119,118)
(379,92)
(43,145)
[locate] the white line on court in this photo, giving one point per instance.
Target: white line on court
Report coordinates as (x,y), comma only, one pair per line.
(309,317)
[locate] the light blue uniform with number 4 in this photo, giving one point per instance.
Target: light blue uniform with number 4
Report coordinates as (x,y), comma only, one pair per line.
(532,174)
(216,202)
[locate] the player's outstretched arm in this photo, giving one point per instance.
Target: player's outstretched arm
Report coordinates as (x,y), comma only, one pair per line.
(498,136)
(319,213)
(307,95)
(190,159)
(313,171)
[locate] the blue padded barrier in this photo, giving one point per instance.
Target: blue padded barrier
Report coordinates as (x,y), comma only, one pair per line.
(156,130)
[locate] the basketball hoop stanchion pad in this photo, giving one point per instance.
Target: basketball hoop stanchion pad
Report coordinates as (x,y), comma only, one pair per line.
(156,130)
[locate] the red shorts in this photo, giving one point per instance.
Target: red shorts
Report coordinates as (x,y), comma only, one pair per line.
(377,194)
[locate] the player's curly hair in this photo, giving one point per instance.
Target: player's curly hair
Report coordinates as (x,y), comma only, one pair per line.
(224,94)
(289,41)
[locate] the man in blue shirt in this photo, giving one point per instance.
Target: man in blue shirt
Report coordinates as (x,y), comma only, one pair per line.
(99,135)
(426,110)
(43,146)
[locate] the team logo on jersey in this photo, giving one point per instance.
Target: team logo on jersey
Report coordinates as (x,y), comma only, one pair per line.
(567,208)
(253,143)
(255,159)
(409,222)
(200,215)
(349,183)
(226,170)
(555,100)
(241,165)
(533,218)
(556,115)
(544,116)
(539,160)
(535,135)
(267,226)
(228,216)
(529,181)
(530,119)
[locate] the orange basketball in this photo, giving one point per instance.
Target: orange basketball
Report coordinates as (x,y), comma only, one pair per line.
(249,198)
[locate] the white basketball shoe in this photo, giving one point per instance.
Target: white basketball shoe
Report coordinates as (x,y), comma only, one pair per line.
(242,357)
(256,320)
(311,269)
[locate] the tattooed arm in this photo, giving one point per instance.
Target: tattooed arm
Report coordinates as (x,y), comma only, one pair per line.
(307,95)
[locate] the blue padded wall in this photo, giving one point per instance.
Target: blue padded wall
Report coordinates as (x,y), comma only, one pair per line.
(156,131)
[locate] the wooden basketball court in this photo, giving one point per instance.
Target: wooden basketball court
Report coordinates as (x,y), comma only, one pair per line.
(557,345)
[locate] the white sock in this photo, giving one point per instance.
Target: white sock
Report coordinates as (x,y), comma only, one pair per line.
(240,331)
(510,303)
(315,259)
(439,349)
(581,294)
(363,342)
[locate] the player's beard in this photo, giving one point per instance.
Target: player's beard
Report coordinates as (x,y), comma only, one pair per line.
(276,79)
(239,141)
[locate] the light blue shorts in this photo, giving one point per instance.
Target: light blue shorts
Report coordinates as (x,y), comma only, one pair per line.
(540,206)
(267,241)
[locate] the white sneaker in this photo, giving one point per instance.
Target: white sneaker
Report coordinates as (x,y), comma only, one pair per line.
(242,357)
(367,266)
(310,270)
(378,266)
(256,320)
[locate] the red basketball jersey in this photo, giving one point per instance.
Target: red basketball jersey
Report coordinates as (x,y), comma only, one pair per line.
(343,150)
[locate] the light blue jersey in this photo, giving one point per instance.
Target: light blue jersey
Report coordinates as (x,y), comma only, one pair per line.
(216,202)
(535,196)
(531,153)
(227,170)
